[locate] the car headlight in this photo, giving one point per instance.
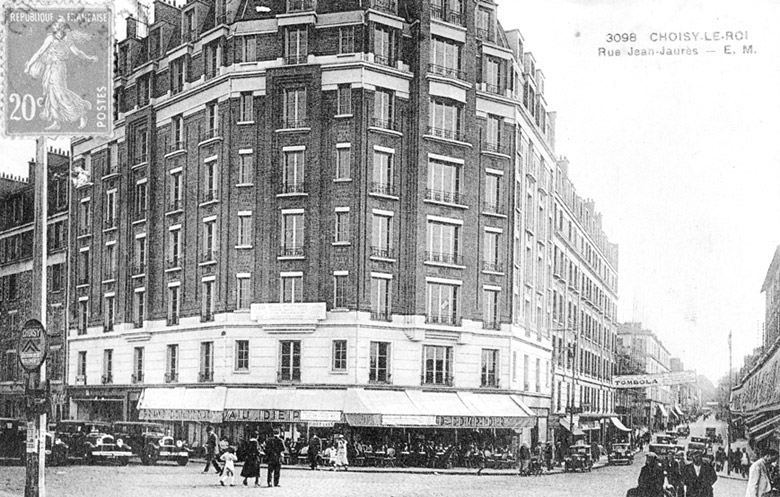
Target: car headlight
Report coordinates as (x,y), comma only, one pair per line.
(119,442)
(179,444)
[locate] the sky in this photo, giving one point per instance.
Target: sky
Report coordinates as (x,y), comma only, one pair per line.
(680,153)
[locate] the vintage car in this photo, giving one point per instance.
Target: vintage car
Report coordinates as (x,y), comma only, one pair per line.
(161,447)
(136,433)
(665,440)
(705,449)
(663,451)
(579,457)
(13,436)
(683,431)
(711,433)
(73,434)
(100,447)
(672,435)
(621,453)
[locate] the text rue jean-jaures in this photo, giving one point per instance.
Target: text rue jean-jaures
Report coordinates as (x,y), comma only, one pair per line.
(676,43)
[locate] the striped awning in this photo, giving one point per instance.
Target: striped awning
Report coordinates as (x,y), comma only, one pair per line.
(768,424)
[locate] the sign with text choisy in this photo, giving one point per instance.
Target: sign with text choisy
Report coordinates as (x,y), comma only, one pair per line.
(654,380)
(32,346)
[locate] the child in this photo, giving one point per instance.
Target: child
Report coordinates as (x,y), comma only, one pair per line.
(229,469)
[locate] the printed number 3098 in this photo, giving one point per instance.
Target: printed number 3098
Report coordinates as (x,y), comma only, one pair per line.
(620,37)
(28,106)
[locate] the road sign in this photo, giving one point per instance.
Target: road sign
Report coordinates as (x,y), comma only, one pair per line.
(33,345)
(32,445)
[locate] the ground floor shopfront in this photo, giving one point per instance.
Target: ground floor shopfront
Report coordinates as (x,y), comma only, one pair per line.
(600,428)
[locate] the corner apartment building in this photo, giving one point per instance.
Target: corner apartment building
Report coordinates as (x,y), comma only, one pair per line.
(326,212)
(584,309)
(649,353)
(16,252)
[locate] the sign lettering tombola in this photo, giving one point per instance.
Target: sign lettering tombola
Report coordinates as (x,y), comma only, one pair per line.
(654,380)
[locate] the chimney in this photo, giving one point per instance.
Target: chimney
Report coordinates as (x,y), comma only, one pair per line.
(132,27)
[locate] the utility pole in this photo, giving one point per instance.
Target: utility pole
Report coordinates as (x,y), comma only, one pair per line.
(728,415)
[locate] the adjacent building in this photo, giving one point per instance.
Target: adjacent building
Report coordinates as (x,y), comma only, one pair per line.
(16,254)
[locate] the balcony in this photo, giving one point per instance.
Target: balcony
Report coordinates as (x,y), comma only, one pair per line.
(295,123)
(447,72)
(494,267)
(172,320)
(383,252)
(210,196)
(109,223)
(174,262)
(491,324)
(485,34)
(293,187)
(206,316)
(82,279)
(387,6)
(139,268)
(171,377)
(380,377)
(293,376)
(83,231)
(382,315)
(208,255)
(384,123)
(431,379)
(444,258)
(107,379)
(140,158)
(301,6)
(175,146)
(449,16)
(137,378)
(108,327)
(111,169)
(490,383)
(296,59)
(447,134)
(447,197)
(443,319)
(210,134)
(205,376)
(81,379)
(175,205)
(494,89)
(385,60)
(291,252)
(491,207)
(382,189)
(139,213)
(494,147)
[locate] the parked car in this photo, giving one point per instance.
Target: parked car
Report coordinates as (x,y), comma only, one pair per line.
(621,453)
(683,431)
(13,439)
(100,447)
(665,440)
(702,447)
(672,436)
(73,434)
(711,433)
(136,433)
(161,447)
(579,457)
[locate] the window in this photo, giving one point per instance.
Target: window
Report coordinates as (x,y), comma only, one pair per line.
(54,364)
(58,235)
(83,267)
(492,75)
(83,317)
(245,113)
(442,304)
(178,75)
(13,286)
(340,282)
(110,220)
(292,235)
(291,289)
(379,363)
(141,146)
(444,182)
(343,161)
(172,363)
(244,230)
(109,311)
(189,32)
(382,173)
(207,301)
(176,190)
(384,52)
(448,10)
(140,199)
(445,120)
(346,39)
(483,22)
(57,277)
(514,365)
(341,229)
(493,134)
(243,292)
(445,58)
(381,232)
(174,243)
(206,373)
(108,366)
(443,243)
(437,365)
(210,181)
(212,120)
(294,112)
(246,48)
(290,360)
(138,365)
(490,309)
(174,303)
(242,355)
(344,97)
(526,378)
(380,299)
(209,240)
(85,219)
(340,355)
(489,368)
(492,193)
(211,58)
(491,261)
(538,375)
(246,165)
(139,308)
(139,259)
(296,46)
(81,366)
(293,172)
(383,109)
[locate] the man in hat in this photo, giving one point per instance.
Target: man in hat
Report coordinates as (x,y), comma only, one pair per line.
(315,446)
(651,479)
(699,477)
(274,448)
(211,449)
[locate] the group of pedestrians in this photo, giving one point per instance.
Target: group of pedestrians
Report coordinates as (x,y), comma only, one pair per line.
(272,450)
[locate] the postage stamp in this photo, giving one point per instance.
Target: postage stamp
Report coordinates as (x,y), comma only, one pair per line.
(57,68)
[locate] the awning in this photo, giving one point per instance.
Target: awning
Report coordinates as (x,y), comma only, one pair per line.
(285,405)
(755,419)
(576,432)
(768,424)
(589,425)
(617,424)
(182,404)
(765,434)
(679,411)
(662,409)
(671,412)
(384,408)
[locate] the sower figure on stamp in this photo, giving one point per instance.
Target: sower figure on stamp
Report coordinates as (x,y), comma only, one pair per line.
(49,64)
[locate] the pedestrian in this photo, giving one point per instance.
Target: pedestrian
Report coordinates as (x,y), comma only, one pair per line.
(548,455)
(251,467)
(211,448)
(341,453)
(315,445)
(525,459)
(720,457)
(229,470)
(744,463)
(274,448)
(699,477)
(558,453)
(651,479)
(674,473)
(759,482)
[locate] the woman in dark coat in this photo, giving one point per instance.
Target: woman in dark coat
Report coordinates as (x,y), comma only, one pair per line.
(252,462)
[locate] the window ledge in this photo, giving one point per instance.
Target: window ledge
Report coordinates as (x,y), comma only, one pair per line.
(290,257)
(173,153)
(494,214)
(339,372)
(391,132)
(382,259)
(293,130)
(244,122)
(110,280)
(447,140)
(495,273)
(206,263)
(241,185)
(339,309)
(341,244)
(442,264)
(210,202)
(241,371)
(342,180)
(243,247)
(175,211)
(382,195)
(172,269)
(445,204)
(297,194)
(343,116)
(139,221)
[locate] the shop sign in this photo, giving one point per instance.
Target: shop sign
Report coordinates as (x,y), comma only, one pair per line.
(328,416)
(320,424)
(654,380)
(408,420)
(761,389)
(263,415)
(363,419)
(484,421)
(180,415)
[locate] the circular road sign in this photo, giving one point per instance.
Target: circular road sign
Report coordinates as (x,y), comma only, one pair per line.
(33,345)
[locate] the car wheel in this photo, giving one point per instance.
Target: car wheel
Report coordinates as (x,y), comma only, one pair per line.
(182,461)
(124,461)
